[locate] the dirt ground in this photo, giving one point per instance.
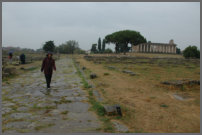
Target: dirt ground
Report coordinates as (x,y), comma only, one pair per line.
(147,105)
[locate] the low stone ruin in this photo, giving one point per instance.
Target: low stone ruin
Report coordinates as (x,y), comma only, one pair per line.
(6,71)
(111,67)
(83,68)
(129,72)
(93,75)
(142,60)
(113,110)
(181,82)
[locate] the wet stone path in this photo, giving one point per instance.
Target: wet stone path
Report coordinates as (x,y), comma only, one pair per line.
(28,107)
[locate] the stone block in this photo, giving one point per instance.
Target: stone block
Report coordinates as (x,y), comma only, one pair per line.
(93,75)
(113,110)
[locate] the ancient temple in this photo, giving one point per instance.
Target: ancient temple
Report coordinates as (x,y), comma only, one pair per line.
(155,47)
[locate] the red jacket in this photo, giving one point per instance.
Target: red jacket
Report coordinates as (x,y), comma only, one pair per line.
(48,65)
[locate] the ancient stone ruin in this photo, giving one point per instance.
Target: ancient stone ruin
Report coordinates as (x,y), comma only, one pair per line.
(155,47)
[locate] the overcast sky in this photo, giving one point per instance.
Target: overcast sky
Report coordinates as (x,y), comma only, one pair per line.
(31,24)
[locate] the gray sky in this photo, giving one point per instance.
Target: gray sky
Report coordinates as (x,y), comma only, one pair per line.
(31,24)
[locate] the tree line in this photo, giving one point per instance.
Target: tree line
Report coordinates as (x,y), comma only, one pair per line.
(120,39)
(69,47)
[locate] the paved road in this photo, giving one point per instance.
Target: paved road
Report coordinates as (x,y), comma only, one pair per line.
(28,107)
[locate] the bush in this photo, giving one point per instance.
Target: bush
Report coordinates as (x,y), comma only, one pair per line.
(108,50)
(191,52)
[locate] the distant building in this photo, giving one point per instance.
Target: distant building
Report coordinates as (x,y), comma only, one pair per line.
(155,47)
(88,51)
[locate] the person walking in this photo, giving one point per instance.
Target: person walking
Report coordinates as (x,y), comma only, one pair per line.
(10,56)
(22,58)
(48,65)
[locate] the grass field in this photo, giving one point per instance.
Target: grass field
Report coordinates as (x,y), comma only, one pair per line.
(148,105)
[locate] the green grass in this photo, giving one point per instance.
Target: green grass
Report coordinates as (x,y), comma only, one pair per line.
(44,126)
(85,83)
(103,91)
(63,100)
(163,105)
(35,107)
(97,106)
(23,130)
(31,68)
(106,73)
(107,126)
(118,117)
(152,97)
(12,120)
(64,112)
(5,79)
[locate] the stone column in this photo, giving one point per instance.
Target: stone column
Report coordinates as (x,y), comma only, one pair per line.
(169,49)
(164,49)
(157,48)
(161,48)
(149,48)
(153,49)
(146,47)
(140,47)
(172,47)
(175,49)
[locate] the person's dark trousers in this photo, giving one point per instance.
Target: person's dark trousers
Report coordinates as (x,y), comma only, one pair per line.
(48,79)
(23,61)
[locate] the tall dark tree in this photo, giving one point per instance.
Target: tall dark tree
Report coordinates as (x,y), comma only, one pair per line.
(125,37)
(49,46)
(94,48)
(117,48)
(99,45)
(178,51)
(103,45)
